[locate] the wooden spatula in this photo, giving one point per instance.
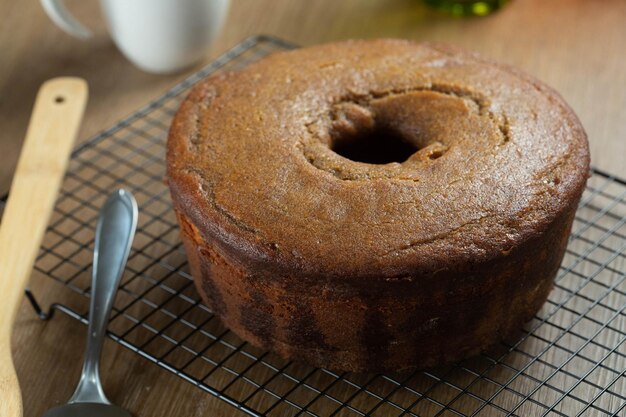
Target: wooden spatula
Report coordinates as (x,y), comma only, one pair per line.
(49,140)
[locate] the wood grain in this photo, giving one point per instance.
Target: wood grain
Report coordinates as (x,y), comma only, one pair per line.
(576,46)
(49,140)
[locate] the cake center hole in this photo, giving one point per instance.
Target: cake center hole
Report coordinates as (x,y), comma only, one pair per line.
(377,145)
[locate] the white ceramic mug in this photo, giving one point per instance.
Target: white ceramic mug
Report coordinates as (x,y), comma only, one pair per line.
(158,36)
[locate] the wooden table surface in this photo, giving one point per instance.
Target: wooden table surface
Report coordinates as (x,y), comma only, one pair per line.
(576,46)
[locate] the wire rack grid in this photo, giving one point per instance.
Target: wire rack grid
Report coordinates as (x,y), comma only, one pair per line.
(570,360)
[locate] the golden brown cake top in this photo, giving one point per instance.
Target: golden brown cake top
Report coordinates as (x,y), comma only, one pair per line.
(255,158)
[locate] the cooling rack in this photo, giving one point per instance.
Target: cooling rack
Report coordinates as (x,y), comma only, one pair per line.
(570,360)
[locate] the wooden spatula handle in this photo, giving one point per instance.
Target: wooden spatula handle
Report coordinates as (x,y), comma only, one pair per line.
(49,140)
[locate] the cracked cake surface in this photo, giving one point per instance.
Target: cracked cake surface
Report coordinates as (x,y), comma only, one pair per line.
(288,223)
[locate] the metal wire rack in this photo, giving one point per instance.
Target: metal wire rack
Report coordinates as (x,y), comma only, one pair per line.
(570,360)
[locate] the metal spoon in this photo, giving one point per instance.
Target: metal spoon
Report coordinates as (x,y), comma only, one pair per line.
(114,235)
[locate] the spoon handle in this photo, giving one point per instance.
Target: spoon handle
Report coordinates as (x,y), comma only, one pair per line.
(114,236)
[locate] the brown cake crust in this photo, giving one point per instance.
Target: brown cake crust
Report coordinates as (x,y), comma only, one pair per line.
(357,266)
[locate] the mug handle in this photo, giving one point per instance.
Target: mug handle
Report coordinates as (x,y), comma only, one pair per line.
(56,10)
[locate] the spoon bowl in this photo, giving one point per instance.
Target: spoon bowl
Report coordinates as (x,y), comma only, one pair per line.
(87,410)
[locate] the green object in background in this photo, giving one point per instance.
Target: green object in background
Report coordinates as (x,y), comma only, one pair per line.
(466,7)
